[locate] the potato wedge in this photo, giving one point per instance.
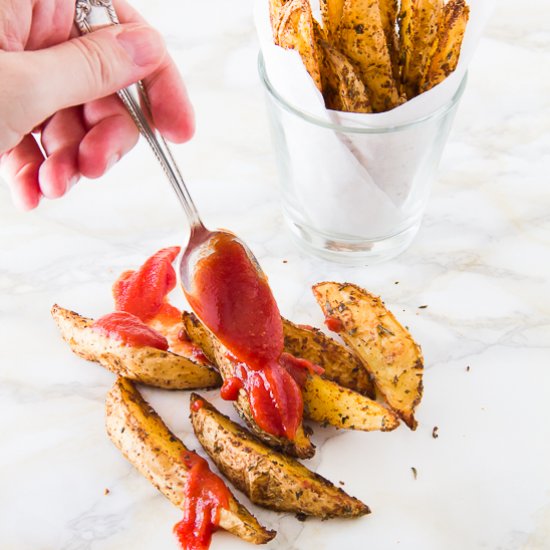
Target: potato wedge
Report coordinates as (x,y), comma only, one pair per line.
(300,446)
(425,18)
(295,30)
(387,349)
(388,15)
(340,365)
(268,478)
(446,49)
(328,403)
(362,39)
(406,40)
(343,89)
(331,14)
(147,365)
(324,400)
(215,352)
(145,441)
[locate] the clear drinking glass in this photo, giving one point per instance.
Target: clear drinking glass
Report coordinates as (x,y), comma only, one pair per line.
(355,194)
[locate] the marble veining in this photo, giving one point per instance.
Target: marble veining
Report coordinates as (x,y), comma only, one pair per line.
(480,263)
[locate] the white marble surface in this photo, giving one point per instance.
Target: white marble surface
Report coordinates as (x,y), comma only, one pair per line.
(481,263)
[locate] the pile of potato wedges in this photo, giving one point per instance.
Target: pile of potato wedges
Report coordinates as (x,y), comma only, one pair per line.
(372,55)
(372,379)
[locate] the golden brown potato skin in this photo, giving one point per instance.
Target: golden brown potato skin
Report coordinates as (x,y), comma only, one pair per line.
(145,441)
(328,403)
(216,353)
(294,29)
(146,365)
(339,364)
(446,49)
(389,352)
(325,401)
(362,39)
(268,478)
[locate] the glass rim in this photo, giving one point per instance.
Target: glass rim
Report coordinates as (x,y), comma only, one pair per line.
(363,129)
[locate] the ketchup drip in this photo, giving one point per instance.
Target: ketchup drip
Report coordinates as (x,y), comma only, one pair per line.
(334,324)
(144,293)
(236,304)
(129,329)
(205,496)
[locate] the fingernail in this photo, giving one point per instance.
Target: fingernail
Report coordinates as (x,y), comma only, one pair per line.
(111,162)
(143,44)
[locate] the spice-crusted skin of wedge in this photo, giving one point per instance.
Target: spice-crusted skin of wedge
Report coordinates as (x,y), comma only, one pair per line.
(339,364)
(331,13)
(425,15)
(145,441)
(295,30)
(325,401)
(268,478)
(447,44)
(362,39)
(149,366)
(215,352)
(328,403)
(389,352)
(343,90)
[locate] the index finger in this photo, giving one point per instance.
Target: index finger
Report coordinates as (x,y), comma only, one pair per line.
(172,111)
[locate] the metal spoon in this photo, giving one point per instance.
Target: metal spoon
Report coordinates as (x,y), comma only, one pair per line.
(91,15)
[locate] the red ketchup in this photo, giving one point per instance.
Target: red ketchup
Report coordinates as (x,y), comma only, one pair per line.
(205,496)
(237,305)
(130,330)
(334,324)
(230,388)
(299,368)
(143,292)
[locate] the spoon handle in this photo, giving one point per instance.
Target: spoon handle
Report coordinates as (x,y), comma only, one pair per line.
(91,15)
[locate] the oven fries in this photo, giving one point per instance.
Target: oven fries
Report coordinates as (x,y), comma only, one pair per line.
(372,55)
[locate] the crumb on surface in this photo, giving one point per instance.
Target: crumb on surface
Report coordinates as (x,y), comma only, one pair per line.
(301,517)
(414,472)
(422,307)
(435,435)
(106,491)
(468,368)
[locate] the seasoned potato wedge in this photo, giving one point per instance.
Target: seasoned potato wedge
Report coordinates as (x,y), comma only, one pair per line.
(147,365)
(295,30)
(343,89)
(215,352)
(328,403)
(446,48)
(362,39)
(300,446)
(324,400)
(388,15)
(389,353)
(425,16)
(340,365)
(268,478)
(145,441)
(331,13)
(406,40)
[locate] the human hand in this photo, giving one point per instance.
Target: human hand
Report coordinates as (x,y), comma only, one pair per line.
(60,87)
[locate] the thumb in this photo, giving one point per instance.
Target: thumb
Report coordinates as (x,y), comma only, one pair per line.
(87,68)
